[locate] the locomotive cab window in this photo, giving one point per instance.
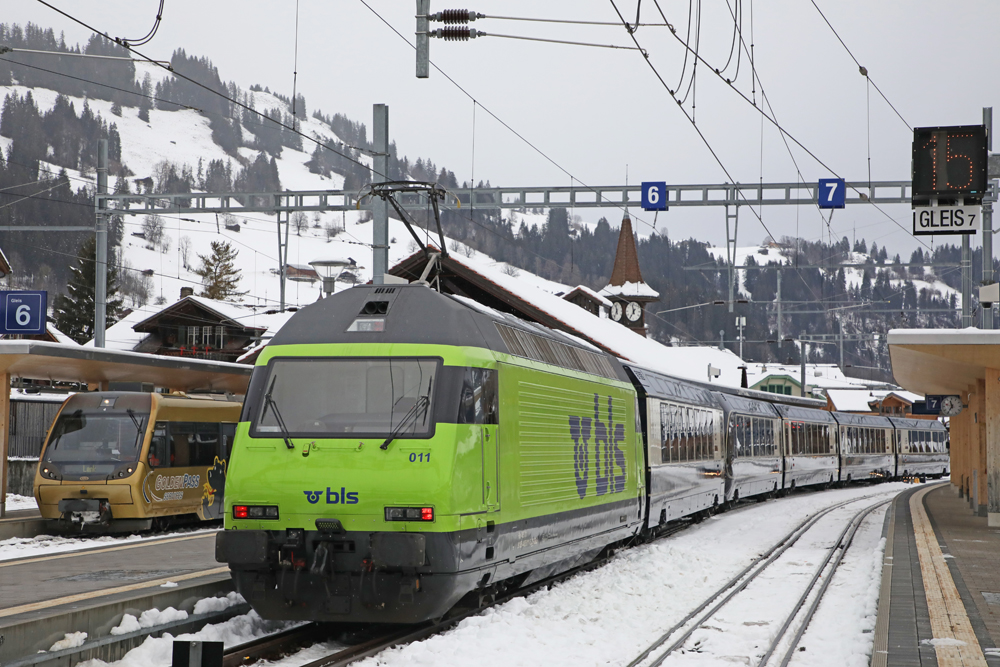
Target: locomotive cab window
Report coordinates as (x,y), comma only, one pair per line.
(96,441)
(332,397)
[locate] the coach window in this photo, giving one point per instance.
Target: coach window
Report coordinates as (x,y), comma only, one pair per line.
(228,434)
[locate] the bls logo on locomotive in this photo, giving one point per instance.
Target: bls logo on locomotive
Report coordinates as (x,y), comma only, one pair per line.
(342,497)
(607,454)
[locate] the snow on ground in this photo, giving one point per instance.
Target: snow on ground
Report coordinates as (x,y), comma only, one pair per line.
(16,502)
(43,545)
(157,652)
(608,616)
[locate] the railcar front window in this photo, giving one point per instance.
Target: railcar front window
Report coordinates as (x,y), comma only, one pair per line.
(369,397)
(86,442)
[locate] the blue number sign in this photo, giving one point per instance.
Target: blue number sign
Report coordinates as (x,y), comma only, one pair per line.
(832,193)
(654,196)
(24,312)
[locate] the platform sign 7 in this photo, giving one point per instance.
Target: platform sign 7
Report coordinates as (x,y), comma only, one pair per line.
(832,193)
(24,312)
(654,196)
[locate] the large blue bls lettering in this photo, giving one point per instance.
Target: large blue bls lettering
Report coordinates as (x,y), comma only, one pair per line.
(609,459)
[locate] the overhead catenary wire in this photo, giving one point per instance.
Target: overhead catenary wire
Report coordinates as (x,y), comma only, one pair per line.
(784,132)
(506,126)
(324,145)
(862,69)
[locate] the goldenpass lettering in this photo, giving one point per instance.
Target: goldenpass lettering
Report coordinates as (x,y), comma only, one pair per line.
(168,482)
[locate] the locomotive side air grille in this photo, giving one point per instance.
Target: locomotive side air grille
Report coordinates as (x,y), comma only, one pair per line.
(385,290)
(532,346)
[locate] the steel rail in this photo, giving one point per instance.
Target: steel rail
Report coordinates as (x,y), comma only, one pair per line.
(838,549)
(738,583)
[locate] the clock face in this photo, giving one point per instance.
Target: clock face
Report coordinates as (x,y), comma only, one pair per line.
(633,311)
(951,405)
(616,311)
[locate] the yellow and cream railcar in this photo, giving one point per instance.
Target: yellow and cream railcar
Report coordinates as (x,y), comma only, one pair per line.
(125,461)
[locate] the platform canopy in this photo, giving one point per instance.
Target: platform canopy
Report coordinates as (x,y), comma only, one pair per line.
(39,360)
(942,361)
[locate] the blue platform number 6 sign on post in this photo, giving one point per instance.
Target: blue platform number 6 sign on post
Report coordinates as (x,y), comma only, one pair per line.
(24,312)
(832,193)
(654,196)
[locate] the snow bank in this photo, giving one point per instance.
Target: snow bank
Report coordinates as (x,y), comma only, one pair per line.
(16,502)
(156,652)
(209,605)
(148,619)
(71,640)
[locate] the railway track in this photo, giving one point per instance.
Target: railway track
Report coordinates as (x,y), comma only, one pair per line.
(679,635)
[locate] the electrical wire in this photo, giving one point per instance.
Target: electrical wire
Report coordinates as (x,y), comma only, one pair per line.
(497,118)
(237,103)
(773,121)
(861,68)
(149,35)
(558,41)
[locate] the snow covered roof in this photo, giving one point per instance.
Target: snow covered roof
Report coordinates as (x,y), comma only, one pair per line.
(583,289)
(636,290)
(851,400)
(523,296)
(823,376)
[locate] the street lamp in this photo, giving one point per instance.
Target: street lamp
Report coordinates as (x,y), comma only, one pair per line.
(329,267)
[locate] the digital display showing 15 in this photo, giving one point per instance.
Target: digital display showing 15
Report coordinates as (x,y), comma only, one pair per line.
(949,161)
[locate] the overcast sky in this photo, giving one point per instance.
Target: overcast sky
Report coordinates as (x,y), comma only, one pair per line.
(597,112)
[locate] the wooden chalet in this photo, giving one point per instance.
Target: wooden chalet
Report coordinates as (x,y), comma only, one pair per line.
(196,327)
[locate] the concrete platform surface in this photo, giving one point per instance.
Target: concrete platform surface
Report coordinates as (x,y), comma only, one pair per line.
(944,594)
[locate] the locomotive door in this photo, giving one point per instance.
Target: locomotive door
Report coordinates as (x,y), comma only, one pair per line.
(491,477)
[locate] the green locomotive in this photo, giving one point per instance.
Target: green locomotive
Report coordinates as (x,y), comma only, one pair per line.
(400,450)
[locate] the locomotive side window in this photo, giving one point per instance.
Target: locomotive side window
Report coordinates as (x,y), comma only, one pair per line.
(478,402)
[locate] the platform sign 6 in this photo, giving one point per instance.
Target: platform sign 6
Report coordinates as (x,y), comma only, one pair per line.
(832,193)
(24,312)
(654,196)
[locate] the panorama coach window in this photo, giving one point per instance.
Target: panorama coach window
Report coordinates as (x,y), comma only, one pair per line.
(687,434)
(333,396)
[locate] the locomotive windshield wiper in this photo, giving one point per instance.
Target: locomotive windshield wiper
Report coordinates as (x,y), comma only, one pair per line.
(138,426)
(270,403)
(421,404)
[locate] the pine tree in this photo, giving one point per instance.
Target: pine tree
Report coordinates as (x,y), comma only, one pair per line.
(74,311)
(219,274)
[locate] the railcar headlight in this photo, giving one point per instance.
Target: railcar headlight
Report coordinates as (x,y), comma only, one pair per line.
(409,513)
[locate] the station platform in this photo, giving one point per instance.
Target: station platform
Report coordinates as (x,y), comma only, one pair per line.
(940,596)
(89,590)
(21,523)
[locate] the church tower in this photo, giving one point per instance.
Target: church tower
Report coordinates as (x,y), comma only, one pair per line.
(626,289)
